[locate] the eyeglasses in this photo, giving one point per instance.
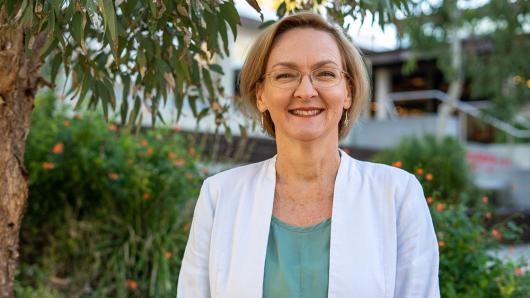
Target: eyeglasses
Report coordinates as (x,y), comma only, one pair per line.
(325,77)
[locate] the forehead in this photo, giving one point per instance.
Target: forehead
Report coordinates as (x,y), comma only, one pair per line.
(304,47)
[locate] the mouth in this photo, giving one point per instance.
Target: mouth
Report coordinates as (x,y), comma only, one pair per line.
(306,112)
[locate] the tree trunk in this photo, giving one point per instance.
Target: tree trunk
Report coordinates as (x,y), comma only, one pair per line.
(457,79)
(19,79)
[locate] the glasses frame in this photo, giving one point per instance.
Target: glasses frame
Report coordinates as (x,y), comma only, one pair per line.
(342,73)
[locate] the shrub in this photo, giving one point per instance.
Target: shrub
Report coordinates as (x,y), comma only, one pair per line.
(467,238)
(108,212)
(440,163)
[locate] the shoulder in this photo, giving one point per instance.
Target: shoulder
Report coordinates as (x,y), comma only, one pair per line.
(382,173)
(241,177)
(382,182)
(240,173)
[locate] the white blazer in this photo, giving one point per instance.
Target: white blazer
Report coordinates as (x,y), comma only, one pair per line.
(382,242)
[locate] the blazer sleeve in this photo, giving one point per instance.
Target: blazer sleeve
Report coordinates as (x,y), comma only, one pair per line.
(193,280)
(417,246)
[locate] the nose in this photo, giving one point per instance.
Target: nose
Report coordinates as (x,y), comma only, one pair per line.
(305,89)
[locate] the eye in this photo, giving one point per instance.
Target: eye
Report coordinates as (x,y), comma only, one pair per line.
(325,74)
(284,75)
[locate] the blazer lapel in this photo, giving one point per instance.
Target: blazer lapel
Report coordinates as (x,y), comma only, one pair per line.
(251,235)
(353,265)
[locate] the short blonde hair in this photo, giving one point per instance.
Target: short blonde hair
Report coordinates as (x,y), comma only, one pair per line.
(256,63)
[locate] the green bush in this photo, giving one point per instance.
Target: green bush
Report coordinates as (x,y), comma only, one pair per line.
(108,212)
(467,237)
(441,163)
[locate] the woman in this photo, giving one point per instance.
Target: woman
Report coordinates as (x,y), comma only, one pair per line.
(311,221)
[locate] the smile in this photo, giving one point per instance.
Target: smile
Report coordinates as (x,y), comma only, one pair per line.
(306,112)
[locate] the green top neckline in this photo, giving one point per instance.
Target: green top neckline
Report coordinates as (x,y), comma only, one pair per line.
(311,228)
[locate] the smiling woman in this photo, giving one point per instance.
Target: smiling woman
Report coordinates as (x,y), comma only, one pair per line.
(311,221)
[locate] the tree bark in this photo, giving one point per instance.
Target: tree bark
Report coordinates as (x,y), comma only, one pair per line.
(19,79)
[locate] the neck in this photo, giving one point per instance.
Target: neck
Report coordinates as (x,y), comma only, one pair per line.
(306,161)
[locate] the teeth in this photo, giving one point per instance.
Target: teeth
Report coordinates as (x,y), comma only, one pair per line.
(305,112)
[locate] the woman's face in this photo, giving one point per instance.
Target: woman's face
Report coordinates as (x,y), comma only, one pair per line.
(304,112)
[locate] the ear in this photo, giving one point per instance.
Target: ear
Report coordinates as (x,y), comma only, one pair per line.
(260,103)
(348,101)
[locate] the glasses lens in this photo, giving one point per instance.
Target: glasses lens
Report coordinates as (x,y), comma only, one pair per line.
(325,77)
(285,78)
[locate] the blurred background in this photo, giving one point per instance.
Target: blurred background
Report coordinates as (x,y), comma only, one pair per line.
(111,198)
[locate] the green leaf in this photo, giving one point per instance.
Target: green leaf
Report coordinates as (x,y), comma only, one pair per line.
(204,112)
(229,13)
(266,24)
(55,63)
(124,109)
(217,68)
(84,89)
(224,35)
(192,100)
(134,113)
(76,28)
(255,5)
(208,81)
(27,17)
(282,10)
(179,98)
(102,93)
(51,41)
(211,29)
(109,16)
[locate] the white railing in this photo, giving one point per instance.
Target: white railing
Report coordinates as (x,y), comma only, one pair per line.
(459,106)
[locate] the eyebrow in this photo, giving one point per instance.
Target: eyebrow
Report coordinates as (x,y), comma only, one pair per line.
(293,65)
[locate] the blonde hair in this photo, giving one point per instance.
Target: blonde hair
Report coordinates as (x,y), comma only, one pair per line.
(256,63)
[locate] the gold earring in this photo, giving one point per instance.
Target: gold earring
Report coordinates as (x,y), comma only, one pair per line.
(346,120)
(262,121)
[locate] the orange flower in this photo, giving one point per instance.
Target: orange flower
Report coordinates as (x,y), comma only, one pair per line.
(204,170)
(485,200)
(150,151)
(167,254)
(176,129)
(518,271)
(58,148)
(179,162)
(132,284)
(191,151)
(78,116)
(48,166)
(147,196)
(428,177)
(129,161)
(112,127)
(114,176)
(66,123)
(172,155)
(144,143)
(510,249)
(397,164)
(440,207)
(419,171)
(487,215)
(429,200)
(189,176)
(441,243)
(496,234)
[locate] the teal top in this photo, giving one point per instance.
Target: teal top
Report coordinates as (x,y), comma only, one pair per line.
(297,261)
